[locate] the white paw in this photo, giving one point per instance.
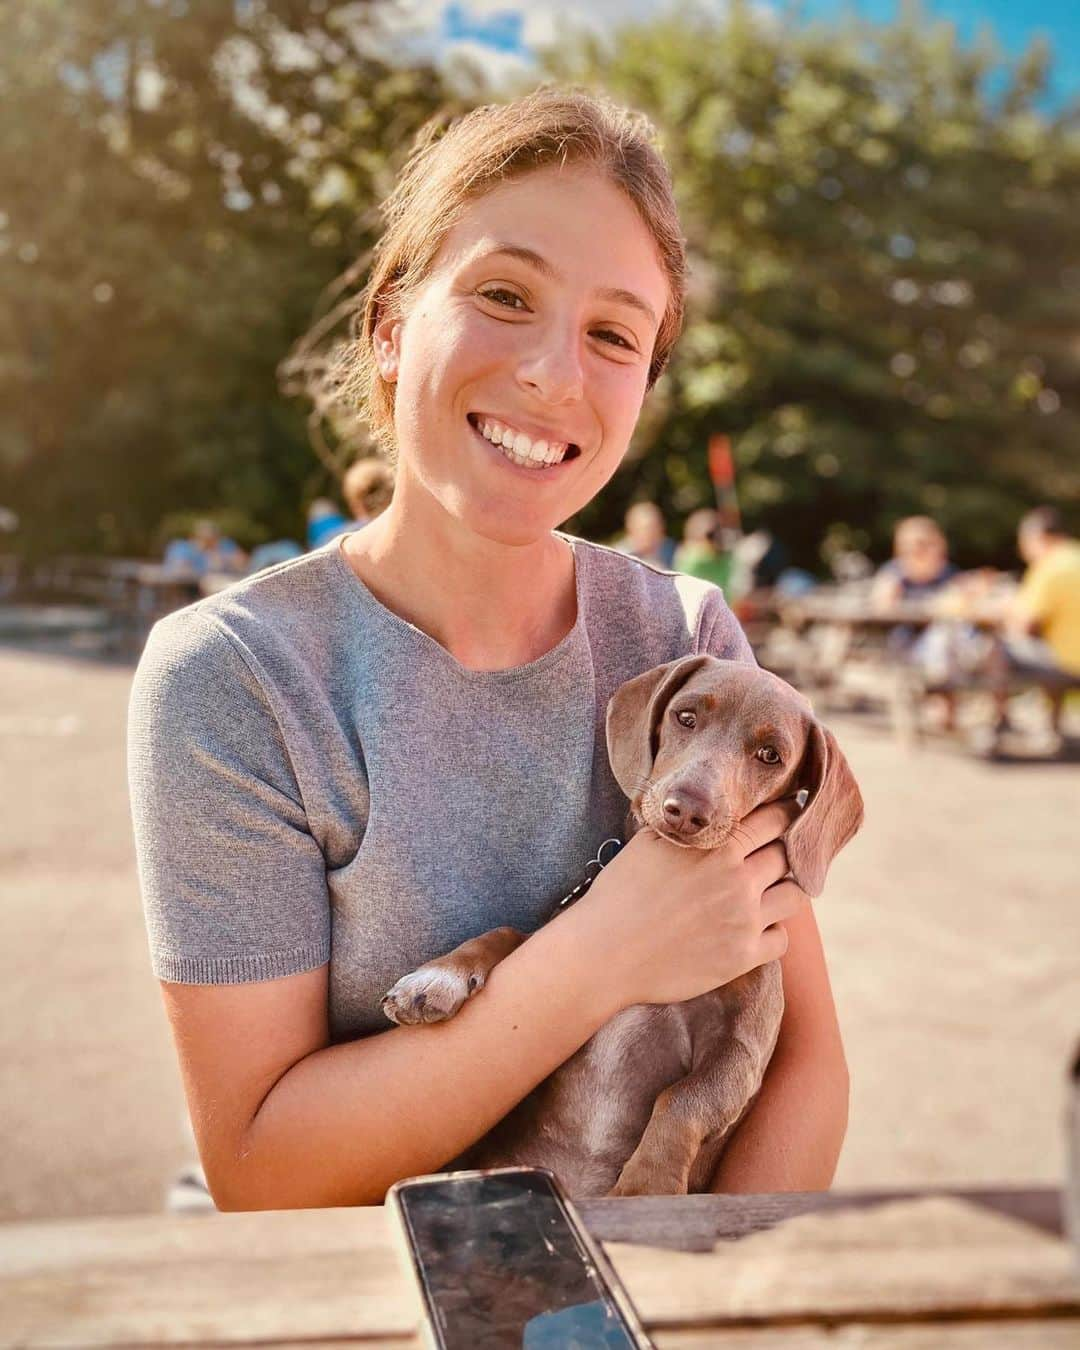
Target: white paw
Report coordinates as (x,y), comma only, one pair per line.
(430,994)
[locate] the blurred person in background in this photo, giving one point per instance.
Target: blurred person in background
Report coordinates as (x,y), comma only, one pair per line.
(367,488)
(646,536)
(919,566)
(1041,638)
(324,521)
(705,550)
(759,560)
(205,550)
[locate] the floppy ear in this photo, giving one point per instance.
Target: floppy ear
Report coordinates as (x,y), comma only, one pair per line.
(832,814)
(632,716)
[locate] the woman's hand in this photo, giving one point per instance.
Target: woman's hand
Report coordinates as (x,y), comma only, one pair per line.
(673,922)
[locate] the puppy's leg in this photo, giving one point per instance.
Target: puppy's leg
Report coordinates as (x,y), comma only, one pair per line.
(706,1105)
(437,990)
(687,1113)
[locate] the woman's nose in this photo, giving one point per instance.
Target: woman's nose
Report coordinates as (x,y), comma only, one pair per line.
(552,370)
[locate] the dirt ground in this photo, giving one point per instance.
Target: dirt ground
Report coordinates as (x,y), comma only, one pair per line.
(952,927)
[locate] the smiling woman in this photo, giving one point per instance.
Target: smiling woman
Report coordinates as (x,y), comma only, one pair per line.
(351,763)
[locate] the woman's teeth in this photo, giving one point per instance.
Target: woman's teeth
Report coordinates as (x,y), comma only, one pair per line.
(516,446)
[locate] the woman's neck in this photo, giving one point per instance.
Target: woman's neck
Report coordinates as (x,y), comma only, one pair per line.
(492,606)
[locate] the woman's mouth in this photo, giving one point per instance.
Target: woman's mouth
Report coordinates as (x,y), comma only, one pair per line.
(520,448)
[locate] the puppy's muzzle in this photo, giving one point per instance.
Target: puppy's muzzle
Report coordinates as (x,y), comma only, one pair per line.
(686,813)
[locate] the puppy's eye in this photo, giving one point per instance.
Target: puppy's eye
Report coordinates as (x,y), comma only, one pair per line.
(686,719)
(767,755)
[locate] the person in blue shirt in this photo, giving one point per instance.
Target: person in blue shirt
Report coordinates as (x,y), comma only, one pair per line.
(205,550)
(324,521)
(919,566)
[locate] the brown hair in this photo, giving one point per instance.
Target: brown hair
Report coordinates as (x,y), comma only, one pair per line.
(368,486)
(450,167)
(1043,520)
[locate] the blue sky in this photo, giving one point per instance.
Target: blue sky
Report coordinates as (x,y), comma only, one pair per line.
(507,29)
(1013,22)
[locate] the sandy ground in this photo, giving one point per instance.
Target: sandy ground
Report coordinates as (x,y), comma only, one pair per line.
(952,926)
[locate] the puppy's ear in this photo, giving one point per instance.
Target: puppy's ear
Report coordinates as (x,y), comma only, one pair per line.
(832,814)
(633,713)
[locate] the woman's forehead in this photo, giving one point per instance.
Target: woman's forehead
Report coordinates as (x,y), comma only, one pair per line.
(548,218)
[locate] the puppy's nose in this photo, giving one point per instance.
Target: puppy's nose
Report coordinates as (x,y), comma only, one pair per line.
(685,813)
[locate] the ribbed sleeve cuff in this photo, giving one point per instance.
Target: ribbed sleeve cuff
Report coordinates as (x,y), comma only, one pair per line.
(237,969)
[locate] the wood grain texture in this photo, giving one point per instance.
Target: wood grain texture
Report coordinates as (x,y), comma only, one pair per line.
(698,1222)
(202,1279)
(1009,1335)
(890,1276)
(910,1259)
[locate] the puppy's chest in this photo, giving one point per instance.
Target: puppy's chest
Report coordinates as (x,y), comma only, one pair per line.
(649,1046)
(644,1049)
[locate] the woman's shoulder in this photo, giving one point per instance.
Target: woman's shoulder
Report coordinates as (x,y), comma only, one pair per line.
(669,612)
(286,603)
(275,629)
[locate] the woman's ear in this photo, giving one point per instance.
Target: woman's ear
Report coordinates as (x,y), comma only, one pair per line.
(386,342)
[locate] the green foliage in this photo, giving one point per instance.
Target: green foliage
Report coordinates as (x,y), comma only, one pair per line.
(178,182)
(885,295)
(885,300)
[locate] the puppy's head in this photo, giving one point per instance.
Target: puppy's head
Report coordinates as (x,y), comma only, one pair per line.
(698,743)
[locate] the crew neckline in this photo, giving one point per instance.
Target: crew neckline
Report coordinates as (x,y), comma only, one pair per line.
(391,619)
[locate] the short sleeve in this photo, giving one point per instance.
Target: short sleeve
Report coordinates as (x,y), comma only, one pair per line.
(719,632)
(1036,593)
(233,883)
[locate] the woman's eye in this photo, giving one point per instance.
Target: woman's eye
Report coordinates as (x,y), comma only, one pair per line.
(767,755)
(686,719)
(500,296)
(615,339)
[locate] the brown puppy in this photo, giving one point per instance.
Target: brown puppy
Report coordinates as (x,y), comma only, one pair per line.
(645,1106)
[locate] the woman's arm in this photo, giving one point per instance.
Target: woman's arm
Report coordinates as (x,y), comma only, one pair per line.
(286,1120)
(791,1138)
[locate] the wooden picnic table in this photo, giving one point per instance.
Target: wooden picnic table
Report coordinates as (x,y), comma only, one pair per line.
(854,611)
(834,640)
(889,1270)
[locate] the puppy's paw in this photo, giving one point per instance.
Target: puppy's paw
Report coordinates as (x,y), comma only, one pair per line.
(431,994)
(639,1178)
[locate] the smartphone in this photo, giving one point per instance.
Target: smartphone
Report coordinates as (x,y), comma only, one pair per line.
(502,1260)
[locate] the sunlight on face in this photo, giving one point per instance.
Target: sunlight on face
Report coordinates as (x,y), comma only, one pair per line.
(538,317)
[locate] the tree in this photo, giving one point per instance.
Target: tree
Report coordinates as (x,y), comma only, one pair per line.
(178,182)
(885,307)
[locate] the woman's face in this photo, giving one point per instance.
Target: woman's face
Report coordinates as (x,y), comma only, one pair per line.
(536,322)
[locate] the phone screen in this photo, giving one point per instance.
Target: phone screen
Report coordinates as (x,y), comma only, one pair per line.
(502,1266)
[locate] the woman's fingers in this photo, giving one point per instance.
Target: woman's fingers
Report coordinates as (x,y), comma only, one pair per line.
(768,864)
(780,902)
(764,824)
(774,943)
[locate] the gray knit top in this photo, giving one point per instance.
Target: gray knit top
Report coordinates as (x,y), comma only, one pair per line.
(314,779)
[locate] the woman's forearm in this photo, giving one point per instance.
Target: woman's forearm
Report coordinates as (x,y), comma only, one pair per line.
(791,1138)
(348,1120)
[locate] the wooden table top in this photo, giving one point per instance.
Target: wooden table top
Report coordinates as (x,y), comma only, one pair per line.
(857,611)
(957,1270)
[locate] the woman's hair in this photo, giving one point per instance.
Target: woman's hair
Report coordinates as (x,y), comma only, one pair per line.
(450,167)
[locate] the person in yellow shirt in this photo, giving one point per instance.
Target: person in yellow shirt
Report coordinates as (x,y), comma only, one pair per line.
(1042,624)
